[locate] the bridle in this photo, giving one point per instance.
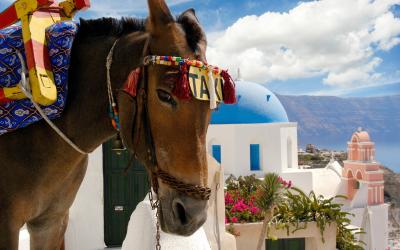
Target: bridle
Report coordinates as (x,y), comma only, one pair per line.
(195,191)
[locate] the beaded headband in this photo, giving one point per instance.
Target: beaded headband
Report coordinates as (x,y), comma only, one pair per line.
(184,90)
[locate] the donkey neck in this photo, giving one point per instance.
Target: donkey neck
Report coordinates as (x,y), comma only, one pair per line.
(86,119)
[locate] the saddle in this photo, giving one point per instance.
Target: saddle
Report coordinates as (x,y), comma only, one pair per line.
(42,44)
(20,113)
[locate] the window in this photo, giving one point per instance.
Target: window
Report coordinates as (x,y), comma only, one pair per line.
(216,152)
(255,157)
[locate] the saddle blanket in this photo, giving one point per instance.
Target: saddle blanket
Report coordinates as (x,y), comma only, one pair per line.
(21,113)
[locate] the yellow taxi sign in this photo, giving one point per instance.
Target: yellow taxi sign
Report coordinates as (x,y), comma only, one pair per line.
(198,81)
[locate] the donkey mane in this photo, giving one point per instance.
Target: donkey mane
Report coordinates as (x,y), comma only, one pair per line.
(108,26)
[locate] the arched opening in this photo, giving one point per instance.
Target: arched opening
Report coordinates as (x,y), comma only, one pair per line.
(359,177)
(349,174)
(289,153)
(351,184)
(354,139)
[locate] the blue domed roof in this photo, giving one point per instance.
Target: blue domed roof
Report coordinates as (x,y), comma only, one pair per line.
(256,104)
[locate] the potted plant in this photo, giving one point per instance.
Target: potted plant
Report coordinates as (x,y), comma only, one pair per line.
(298,209)
(273,206)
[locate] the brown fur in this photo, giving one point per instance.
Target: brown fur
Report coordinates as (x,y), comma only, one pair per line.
(40,174)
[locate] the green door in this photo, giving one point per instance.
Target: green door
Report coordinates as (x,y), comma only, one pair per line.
(122,192)
(285,244)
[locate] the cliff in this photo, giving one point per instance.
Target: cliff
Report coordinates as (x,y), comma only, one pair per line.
(328,120)
(392,196)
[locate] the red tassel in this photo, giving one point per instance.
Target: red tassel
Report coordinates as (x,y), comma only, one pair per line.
(131,82)
(182,89)
(229,88)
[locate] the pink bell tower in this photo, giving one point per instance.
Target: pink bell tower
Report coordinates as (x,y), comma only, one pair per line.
(361,170)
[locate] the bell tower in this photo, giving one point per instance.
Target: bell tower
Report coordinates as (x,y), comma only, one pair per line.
(361,171)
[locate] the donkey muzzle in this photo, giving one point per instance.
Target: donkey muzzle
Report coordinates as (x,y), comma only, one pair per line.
(182,214)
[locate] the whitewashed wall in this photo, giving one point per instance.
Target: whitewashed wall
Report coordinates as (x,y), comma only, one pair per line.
(379,223)
(300,178)
(374,220)
(86,223)
(326,182)
(360,198)
(226,137)
(235,140)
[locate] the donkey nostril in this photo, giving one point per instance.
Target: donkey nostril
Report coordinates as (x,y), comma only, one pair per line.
(181,214)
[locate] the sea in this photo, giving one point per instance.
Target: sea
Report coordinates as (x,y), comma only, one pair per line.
(388,154)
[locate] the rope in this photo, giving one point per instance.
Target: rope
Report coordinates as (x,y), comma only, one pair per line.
(113,105)
(25,88)
(108,66)
(195,191)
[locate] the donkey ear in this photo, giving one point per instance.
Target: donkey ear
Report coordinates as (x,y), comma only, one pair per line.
(191,14)
(194,32)
(159,16)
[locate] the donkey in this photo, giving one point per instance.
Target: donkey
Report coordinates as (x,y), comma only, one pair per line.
(40,173)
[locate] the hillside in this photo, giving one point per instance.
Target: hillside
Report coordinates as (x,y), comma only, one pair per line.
(326,120)
(392,196)
(369,91)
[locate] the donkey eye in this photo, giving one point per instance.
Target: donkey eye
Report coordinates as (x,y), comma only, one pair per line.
(165,97)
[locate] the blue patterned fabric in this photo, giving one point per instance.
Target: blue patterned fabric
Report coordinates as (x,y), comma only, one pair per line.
(21,113)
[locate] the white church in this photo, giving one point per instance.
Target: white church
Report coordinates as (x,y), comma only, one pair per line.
(253,136)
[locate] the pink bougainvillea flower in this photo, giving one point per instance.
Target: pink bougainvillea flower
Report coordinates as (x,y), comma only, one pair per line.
(239,206)
(254,210)
(228,199)
(286,184)
(226,220)
(234,219)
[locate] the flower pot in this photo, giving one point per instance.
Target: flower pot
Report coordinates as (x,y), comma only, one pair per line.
(249,233)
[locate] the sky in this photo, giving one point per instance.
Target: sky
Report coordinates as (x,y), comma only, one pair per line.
(293,47)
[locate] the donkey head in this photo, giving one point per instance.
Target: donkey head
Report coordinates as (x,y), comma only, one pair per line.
(177,127)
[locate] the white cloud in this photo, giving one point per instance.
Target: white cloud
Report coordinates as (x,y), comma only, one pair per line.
(386,29)
(364,73)
(336,39)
